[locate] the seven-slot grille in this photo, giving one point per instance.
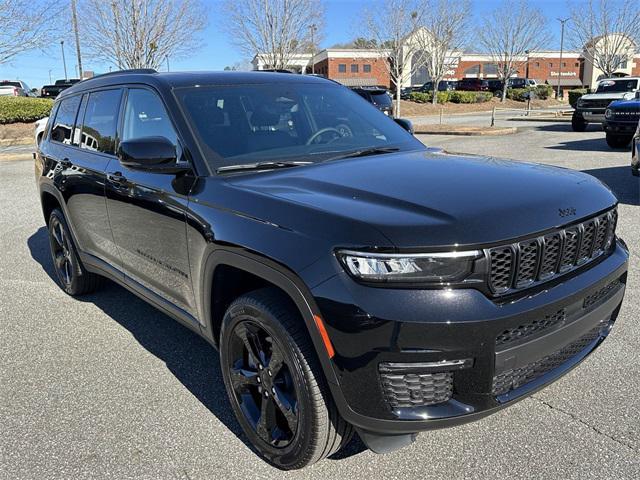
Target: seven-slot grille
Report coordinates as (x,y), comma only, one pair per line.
(596,103)
(522,264)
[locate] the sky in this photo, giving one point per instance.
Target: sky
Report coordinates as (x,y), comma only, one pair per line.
(342,24)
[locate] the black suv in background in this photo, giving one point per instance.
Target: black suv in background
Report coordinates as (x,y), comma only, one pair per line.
(52,91)
(378,97)
(473,85)
(350,277)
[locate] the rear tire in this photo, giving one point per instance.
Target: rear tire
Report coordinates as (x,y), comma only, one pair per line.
(258,329)
(72,277)
(578,123)
(618,141)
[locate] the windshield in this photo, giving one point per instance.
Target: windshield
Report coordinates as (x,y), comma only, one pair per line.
(310,122)
(381,98)
(617,86)
(7,83)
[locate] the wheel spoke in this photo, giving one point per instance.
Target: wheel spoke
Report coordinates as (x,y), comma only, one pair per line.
(256,354)
(242,378)
(287,407)
(67,270)
(265,423)
(59,260)
(56,228)
(276,359)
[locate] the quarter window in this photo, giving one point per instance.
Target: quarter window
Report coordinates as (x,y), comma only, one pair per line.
(65,119)
(100,120)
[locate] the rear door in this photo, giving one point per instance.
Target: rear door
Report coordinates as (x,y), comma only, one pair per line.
(81,146)
(147,210)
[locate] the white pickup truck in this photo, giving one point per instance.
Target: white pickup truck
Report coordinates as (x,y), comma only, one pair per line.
(591,107)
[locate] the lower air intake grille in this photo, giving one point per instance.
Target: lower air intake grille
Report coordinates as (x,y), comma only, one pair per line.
(601,294)
(512,379)
(526,329)
(416,389)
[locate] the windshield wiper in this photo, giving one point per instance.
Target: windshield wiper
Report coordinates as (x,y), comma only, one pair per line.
(260,166)
(364,153)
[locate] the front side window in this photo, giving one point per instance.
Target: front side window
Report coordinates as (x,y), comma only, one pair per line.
(309,122)
(100,121)
(145,116)
(65,119)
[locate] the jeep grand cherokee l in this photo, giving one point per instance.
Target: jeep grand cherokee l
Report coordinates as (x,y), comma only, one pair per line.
(351,278)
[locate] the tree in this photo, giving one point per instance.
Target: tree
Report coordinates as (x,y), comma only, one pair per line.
(24,25)
(509,33)
(607,30)
(391,23)
(275,29)
(443,34)
(140,33)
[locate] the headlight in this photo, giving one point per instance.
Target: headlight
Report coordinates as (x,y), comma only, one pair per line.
(442,267)
(608,113)
(580,102)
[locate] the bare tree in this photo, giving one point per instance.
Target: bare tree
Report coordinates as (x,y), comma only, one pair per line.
(607,30)
(24,25)
(443,35)
(508,33)
(140,33)
(275,29)
(392,23)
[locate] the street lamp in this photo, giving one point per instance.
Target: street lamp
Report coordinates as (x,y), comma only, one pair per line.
(64,62)
(562,21)
(50,81)
(314,29)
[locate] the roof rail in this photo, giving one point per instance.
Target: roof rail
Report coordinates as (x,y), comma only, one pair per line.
(122,72)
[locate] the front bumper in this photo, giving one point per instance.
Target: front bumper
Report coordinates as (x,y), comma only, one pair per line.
(622,128)
(593,115)
(373,326)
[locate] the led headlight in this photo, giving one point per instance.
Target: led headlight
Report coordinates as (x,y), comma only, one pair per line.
(580,102)
(608,113)
(441,267)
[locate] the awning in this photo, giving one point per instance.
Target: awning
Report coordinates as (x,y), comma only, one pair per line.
(357,81)
(565,82)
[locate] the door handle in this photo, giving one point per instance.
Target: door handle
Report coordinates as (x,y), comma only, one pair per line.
(117,178)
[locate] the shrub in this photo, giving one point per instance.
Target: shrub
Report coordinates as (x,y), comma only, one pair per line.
(427,97)
(574,95)
(458,96)
(544,91)
(23,109)
(517,94)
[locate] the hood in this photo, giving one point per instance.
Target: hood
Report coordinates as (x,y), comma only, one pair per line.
(605,96)
(430,198)
(632,105)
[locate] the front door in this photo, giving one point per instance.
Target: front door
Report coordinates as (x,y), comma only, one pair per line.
(147,210)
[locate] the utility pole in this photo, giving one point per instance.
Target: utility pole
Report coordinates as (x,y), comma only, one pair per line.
(74,20)
(50,81)
(64,62)
(115,20)
(314,29)
(562,22)
(166,57)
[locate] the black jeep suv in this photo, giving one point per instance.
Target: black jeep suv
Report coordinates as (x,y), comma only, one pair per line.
(350,277)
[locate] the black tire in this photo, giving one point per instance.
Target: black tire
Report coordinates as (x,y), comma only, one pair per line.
(618,141)
(72,277)
(578,123)
(267,317)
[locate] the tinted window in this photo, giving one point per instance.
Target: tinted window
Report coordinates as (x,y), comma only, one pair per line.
(381,99)
(100,120)
(613,86)
(312,122)
(7,83)
(65,119)
(145,116)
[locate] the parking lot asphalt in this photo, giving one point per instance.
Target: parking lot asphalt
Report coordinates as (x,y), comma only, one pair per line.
(107,387)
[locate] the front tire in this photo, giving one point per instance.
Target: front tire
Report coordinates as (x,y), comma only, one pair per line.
(618,141)
(275,384)
(72,277)
(578,123)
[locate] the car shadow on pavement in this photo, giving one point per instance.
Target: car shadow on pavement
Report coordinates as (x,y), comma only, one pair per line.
(621,181)
(190,358)
(586,145)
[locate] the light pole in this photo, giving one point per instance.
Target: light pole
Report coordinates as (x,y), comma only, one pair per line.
(74,21)
(167,59)
(314,29)
(64,62)
(50,81)
(562,21)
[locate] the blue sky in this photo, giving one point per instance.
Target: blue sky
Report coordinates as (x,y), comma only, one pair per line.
(342,25)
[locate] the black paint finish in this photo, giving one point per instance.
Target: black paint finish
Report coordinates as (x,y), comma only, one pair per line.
(165,234)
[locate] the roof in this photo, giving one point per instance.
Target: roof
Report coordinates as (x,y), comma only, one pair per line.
(189,79)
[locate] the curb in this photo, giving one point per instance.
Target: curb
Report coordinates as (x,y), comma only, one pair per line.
(540,119)
(481,132)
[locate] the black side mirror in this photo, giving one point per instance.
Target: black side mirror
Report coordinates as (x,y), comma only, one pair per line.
(155,154)
(406,124)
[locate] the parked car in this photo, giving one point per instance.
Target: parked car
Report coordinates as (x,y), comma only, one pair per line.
(350,277)
(14,88)
(635,153)
(473,85)
(517,82)
(39,130)
(495,86)
(591,108)
(443,86)
(379,97)
(405,92)
(621,121)
(52,91)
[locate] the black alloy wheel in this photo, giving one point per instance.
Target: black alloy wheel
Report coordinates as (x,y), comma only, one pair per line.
(71,274)
(275,383)
(262,384)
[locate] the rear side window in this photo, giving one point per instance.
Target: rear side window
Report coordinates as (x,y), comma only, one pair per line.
(65,119)
(100,121)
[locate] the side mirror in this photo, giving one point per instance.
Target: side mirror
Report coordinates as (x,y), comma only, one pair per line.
(156,154)
(406,124)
